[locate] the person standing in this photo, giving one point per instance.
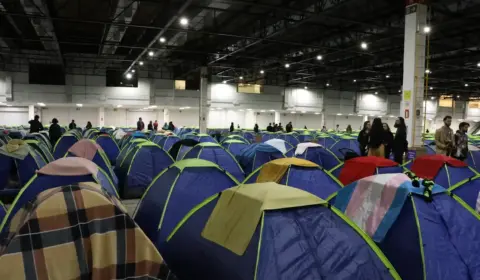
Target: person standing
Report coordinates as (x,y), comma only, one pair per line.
(165,126)
(400,143)
(232,127)
(155,125)
(349,129)
(150,126)
(444,138)
(35,124)
(388,143)
(324,129)
(171,127)
(255,129)
(376,138)
(140,124)
(269,127)
(72,125)
(363,138)
(338,128)
(461,142)
(54,132)
(289,127)
(280,127)
(89,125)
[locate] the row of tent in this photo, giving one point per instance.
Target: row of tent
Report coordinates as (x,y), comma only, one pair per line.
(199,217)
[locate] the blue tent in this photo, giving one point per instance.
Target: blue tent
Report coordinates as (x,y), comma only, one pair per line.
(236,137)
(282,145)
(291,138)
(360,167)
(305,137)
(126,149)
(250,136)
(344,145)
(473,159)
(177,190)
(40,147)
(317,154)
(44,138)
(443,170)
(235,147)
(326,140)
(167,142)
(88,149)
(62,172)
(179,149)
(268,136)
(298,173)
(63,144)
(293,235)
(15,172)
(216,154)
(202,138)
(109,146)
(423,231)
(157,137)
(256,155)
(141,165)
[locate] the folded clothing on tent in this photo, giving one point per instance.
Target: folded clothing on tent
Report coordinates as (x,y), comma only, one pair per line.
(302,147)
(16,149)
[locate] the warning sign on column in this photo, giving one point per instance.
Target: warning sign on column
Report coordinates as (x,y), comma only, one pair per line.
(407,95)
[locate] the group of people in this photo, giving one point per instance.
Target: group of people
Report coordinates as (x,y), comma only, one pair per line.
(376,139)
(450,144)
(349,129)
(54,131)
(153,126)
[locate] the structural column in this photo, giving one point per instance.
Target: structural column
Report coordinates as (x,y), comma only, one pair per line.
(322,120)
(250,119)
(166,115)
(277,117)
(31,112)
(101,116)
(204,99)
(414,73)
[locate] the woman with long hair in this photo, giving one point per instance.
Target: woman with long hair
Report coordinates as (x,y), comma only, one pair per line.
(388,140)
(363,138)
(376,138)
(400,143)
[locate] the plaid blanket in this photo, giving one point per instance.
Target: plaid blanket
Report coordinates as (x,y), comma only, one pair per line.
(77,232)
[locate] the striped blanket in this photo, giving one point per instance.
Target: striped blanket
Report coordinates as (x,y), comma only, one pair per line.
(77,232)
(375,202)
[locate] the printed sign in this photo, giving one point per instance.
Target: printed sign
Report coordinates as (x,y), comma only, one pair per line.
(407,95)
(407,114)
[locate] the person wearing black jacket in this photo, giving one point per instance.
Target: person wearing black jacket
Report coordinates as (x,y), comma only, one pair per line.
(388,140)
(289,127)
(400,143)
(140,124)
(54,132)
(363,138)
(150,126)
(171,127)
(72,125)
(232,127)
(35,124)
(255,128)
(270,127)
(89,125)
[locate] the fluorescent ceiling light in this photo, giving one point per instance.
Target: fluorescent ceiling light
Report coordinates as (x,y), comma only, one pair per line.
(319,57)
(79,105)
(303,112)
(140,63)
(249,109)
(427,29)
(152,107)
(263,111)
(187,107)
(184,21)
(293,112)
(41,104)
(317,113)
(339,114)
(119,106)
(272,110)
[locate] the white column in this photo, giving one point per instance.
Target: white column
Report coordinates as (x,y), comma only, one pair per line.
(277,117)
(250,119)
(101,116)
(365,118)
(414,73)
(166,115)
(204,98)
(322,120)
(31,112)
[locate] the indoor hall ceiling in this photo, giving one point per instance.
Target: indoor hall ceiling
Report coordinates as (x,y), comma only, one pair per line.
(238,38)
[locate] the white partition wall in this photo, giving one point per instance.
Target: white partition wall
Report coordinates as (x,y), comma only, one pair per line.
(14,116)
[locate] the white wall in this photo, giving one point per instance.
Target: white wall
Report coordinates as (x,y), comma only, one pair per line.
(66,115)
(14,116)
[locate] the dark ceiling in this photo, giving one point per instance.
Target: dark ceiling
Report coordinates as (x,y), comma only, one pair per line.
(238,38)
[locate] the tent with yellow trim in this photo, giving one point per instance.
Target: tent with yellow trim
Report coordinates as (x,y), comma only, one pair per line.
(298,173)
(141,164)
(269,231)
(177,190)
